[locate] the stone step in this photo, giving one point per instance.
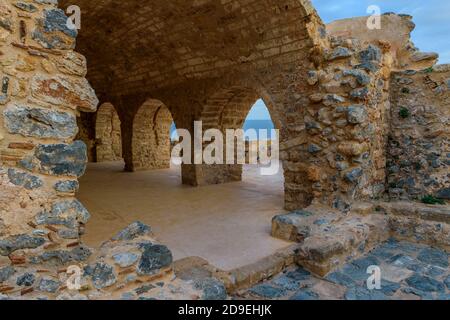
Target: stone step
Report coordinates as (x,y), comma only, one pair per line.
(328,238)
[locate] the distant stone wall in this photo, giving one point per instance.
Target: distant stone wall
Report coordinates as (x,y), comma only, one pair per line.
(419,142)
(151,137)
(108,137)
(86,133)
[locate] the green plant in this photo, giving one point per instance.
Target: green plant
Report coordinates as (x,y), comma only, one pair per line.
(404,113)
(428,70)
(429,199)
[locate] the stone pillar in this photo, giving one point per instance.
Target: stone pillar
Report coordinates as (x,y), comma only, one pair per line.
(43,89)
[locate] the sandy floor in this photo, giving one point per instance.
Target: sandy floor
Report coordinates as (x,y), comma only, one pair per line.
(229,225)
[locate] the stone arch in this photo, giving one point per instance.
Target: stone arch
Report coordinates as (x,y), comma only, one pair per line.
(228,108)
(108,135)
(151,136)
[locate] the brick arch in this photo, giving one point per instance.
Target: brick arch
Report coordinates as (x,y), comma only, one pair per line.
(108,138)
(151,136)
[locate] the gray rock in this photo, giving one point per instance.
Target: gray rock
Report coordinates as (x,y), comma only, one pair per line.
(286,283)
(154,258)
(314,148)
(356,114)
(360,93)
(48,285)
(19,242)
(103,276)
(47,1)
(68,213)
(24,179)
(63,257)
(372,53)
(132,232)
(6,273)
(144,289)
(70,186)
(443,194)
(404,261)
(59,159)
(362,293)
(353,175)
(339,53)
(447,282)
(126,259)
(424,283)
(26,280)
(299,274)
(434,257)
(333,100)
(128,296)
(365,262)
(360,75)
(341,279)
(268,291)
(69,233)
(443,297)
(54,22)
(28,7)
(212,289)
(305,295)
(419,293)
(389,288)
(40,123)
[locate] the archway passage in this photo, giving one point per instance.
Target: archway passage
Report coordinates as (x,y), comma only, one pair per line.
(151,137)
(227,224)
(108,137)
(208,61)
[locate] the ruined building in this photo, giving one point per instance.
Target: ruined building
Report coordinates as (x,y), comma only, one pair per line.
(363,119)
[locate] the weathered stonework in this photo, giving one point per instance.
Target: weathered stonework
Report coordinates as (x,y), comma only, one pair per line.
(359,113)
(107,134)
(419,141)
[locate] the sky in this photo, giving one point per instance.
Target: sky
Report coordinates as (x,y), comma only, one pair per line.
(432,33)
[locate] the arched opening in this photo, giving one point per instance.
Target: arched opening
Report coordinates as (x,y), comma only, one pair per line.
(151,142)
(108,137)
(264,134)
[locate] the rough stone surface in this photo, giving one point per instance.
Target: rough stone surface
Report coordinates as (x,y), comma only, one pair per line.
(14,243)
(350,281)
(133,231)
(418,159)
(154,258)
(41,123)
(58,159)
(24,179)
(103,276)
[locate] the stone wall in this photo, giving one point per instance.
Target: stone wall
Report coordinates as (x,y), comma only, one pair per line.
(345,124)
(43,89)
(151,137)
(108,137)
(86,133)
(419,141)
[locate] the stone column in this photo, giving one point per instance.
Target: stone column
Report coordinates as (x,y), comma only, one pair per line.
(43,89)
